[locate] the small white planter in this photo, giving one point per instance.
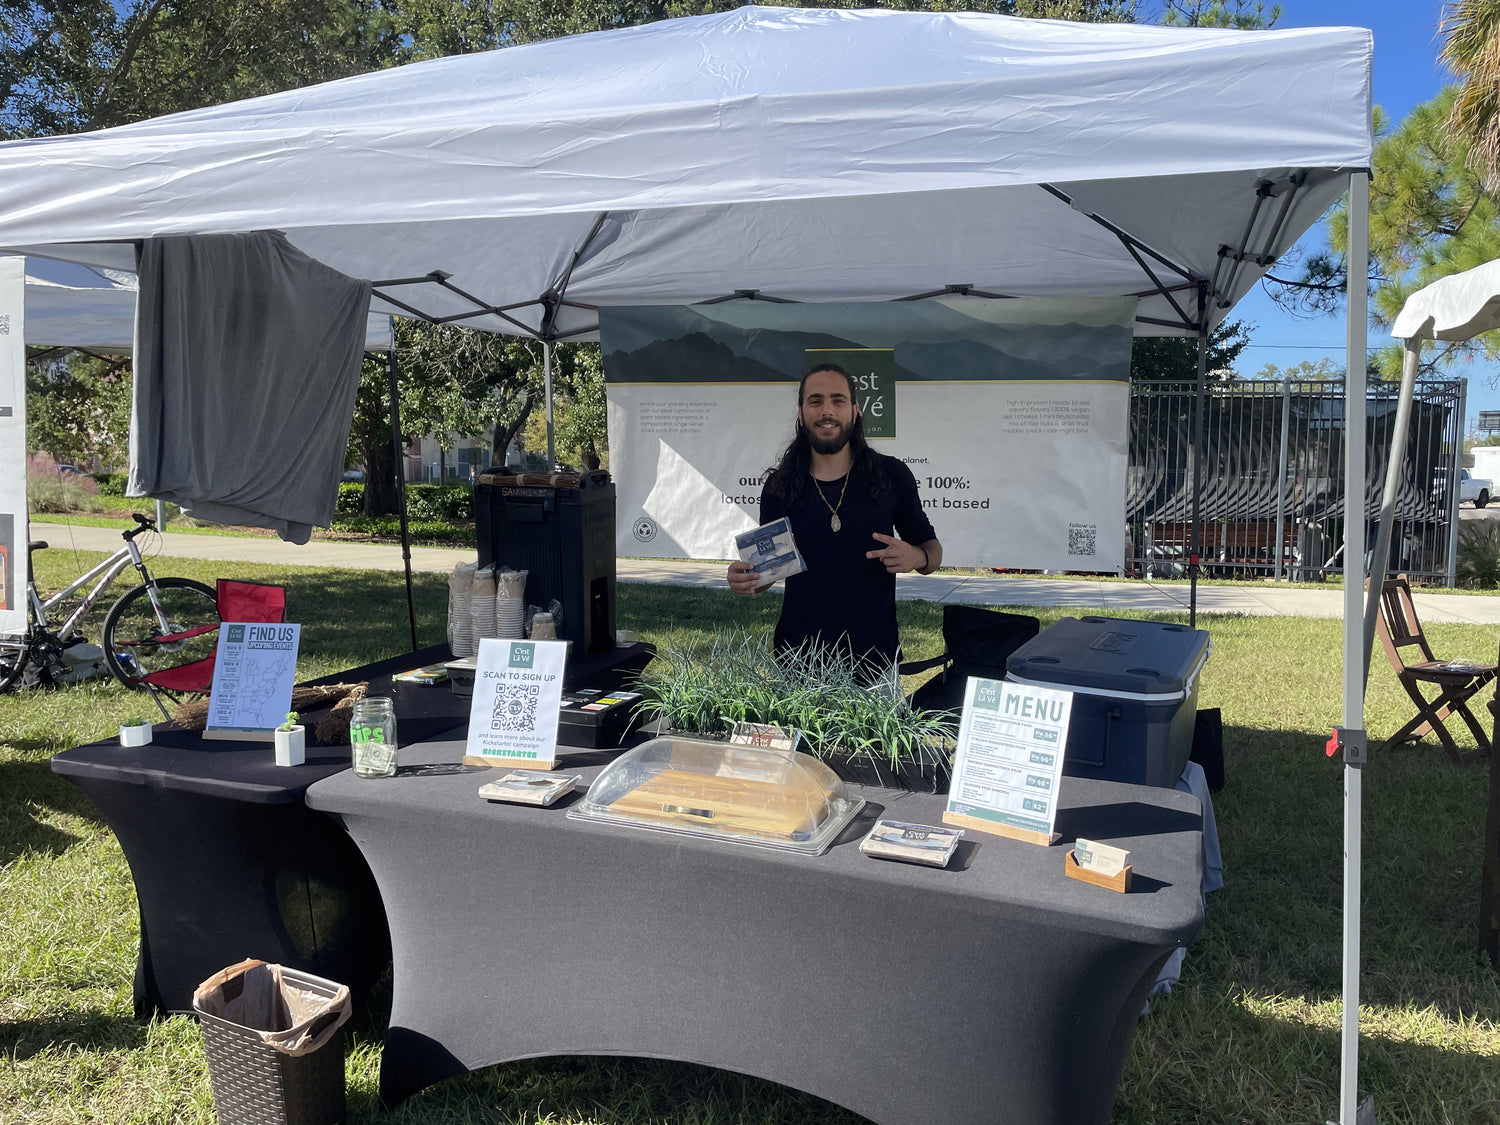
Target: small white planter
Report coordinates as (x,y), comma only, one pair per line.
(291,746)
(137,734)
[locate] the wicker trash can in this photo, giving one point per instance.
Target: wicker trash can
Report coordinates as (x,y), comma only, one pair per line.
(274,1038)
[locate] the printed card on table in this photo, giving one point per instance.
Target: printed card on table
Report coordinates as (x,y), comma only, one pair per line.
(1009,761)
(517,693)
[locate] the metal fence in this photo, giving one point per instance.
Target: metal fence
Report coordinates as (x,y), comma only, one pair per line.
(1271,494)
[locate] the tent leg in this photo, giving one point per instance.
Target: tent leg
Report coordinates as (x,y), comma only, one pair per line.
(547,346)
(1455,473)
(1195,541)
(1281,471)
(1489,877)
(1354,642)
(411,605)
(1380,560)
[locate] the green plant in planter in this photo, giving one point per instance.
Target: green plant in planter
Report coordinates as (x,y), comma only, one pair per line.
(705,689)
(1477,565)
(291,722)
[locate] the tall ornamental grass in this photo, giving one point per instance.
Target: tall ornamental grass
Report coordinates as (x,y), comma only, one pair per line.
(715,681)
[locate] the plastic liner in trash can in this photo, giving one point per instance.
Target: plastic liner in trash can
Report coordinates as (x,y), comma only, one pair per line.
(275,1044)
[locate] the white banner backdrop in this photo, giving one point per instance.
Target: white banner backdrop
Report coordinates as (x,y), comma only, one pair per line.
(1012,414)
(12,444)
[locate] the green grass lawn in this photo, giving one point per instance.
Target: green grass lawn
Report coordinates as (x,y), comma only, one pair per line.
(1251,1034)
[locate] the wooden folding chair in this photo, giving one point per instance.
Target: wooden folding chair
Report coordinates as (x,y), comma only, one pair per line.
(1454,681)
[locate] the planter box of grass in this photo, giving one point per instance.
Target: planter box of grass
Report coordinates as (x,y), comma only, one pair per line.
(867,735)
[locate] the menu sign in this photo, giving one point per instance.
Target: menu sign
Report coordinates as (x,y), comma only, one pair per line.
(1008,766)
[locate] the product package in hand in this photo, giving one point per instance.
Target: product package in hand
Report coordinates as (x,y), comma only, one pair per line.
(771,550)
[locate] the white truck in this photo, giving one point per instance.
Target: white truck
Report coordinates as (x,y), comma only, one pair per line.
(1477,490)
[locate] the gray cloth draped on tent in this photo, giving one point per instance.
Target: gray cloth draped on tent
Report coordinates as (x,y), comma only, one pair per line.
(247,361)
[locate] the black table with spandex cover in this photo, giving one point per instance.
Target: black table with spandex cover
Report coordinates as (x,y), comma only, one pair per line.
(995,990)
(229,862)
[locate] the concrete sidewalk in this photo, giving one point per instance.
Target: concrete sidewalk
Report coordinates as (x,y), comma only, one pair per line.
(1262,600)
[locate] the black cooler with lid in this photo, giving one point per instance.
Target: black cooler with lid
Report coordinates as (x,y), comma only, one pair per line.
(1135,693)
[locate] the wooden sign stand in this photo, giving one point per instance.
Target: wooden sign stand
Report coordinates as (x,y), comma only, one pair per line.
(511,763)
(230,735)
(1072,870)
(959,820)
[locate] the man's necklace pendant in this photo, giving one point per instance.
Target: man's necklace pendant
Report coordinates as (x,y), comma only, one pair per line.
(833,509)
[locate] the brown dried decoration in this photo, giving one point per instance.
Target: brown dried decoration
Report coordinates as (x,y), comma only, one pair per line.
(333,728)
(193,715)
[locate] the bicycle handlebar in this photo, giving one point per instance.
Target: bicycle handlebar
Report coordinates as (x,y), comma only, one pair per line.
(143,523)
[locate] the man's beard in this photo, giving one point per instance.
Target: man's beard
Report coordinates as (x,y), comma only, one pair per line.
(829,445)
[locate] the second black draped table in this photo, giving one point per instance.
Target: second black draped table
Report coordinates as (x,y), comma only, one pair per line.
(996,990)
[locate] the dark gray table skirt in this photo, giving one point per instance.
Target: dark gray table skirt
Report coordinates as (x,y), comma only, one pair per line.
(997,990)
(228,861)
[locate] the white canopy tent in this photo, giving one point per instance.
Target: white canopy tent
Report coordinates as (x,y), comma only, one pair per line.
(92,308)
(71,306)
(777,153)
(1454,308)
(806,155)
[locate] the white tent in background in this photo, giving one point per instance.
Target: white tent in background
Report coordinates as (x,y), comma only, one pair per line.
(1457,307)
(1453,308)
(79,306)
(93,308)
(791,154)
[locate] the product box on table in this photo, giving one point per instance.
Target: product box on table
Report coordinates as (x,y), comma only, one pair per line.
(1135,693)
(595,719)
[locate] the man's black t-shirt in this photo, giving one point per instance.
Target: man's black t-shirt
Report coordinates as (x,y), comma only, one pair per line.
(843,597)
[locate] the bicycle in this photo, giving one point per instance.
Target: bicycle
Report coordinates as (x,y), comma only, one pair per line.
(162,623)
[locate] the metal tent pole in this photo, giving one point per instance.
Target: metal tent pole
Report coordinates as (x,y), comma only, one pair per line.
(547,380)
(1379,561)
(411,605)
(1281,470)
(1195,541)
(1455,475)
(1351,736)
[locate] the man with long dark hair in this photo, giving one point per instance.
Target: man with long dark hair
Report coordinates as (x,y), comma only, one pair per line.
(858,522)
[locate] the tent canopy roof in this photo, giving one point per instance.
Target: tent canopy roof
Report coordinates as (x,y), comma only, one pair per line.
(1457,307)
(804,154)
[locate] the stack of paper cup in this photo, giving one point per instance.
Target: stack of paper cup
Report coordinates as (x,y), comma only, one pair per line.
(482,605)
(510,603)
(460,623)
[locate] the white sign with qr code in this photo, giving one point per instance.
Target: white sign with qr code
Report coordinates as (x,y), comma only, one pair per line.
(517,692)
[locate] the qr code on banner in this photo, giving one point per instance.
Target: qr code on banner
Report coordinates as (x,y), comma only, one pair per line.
(1082,539)
(4,324)
(515,707)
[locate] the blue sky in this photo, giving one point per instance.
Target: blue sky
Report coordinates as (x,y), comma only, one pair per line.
(1407,73)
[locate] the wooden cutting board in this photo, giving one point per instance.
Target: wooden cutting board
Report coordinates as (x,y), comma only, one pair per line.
(791,810)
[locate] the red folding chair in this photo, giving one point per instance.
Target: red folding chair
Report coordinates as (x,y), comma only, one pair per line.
(251,602)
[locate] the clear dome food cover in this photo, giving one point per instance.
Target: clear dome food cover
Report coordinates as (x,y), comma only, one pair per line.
(745,794)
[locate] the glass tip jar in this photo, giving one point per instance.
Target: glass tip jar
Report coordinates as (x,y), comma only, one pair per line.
(372,736)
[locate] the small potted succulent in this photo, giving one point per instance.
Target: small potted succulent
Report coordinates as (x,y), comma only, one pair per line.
(135,732)
(291,742)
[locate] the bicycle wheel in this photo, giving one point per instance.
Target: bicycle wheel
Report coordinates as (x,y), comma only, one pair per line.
(132,640)
(13,650)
